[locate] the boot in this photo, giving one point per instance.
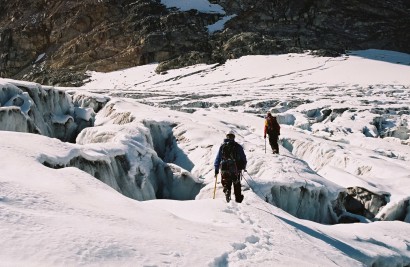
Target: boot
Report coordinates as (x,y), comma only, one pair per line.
(228,195)
(239,199)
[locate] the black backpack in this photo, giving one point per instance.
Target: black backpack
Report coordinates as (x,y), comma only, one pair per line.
(230,157)
(273,126)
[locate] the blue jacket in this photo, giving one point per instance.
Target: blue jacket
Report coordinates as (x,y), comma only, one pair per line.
(241,165)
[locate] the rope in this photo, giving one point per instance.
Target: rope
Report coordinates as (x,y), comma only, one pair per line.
(260,193)
(266,208)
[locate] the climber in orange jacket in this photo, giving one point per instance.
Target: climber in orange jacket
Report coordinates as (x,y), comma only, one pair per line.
(272,128)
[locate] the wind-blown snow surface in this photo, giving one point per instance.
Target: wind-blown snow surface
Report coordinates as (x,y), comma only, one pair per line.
(344,124)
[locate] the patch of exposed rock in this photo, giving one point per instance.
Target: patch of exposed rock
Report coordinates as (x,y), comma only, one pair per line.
(56,42)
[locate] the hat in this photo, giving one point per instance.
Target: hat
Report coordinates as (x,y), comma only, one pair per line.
(230,132)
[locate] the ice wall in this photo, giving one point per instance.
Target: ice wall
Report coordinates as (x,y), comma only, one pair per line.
(375,122)
(12,119)
(362,202)
(305,202)
(123,158)
(396,211)
(134,158)
(28,107)
(165,144)
(148,152)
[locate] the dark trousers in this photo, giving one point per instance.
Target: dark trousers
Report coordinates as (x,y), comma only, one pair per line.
(273,141)
(231,178)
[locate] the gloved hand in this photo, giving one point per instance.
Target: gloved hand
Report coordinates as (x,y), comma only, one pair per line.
(216,172)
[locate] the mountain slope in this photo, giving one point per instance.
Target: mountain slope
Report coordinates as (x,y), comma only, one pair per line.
(55,42)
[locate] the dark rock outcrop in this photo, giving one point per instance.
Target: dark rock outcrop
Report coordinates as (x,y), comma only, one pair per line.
(55,42)
(359,201)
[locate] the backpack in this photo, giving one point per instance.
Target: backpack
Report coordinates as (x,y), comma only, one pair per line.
(230,156)
(273,126)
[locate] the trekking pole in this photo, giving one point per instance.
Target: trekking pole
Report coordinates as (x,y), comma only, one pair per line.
(216,178)
(265,145)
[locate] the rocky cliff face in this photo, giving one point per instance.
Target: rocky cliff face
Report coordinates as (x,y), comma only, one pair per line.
(55,42)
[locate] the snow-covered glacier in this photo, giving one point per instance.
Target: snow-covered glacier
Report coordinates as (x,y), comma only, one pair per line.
(332,169)
(337,194)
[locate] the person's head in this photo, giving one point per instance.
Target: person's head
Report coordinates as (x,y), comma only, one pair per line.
(230,135)
(268,114)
